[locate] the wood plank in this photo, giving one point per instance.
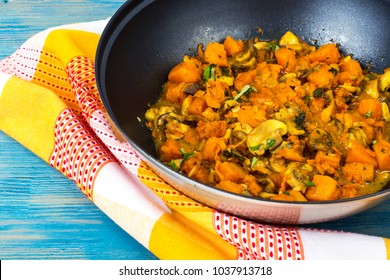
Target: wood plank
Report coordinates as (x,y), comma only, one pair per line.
(43,215)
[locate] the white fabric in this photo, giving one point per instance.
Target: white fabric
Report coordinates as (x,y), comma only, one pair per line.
(3,80)
(327,245)
(133,206)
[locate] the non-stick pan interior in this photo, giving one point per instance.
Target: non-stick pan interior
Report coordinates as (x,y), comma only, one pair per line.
(145,39)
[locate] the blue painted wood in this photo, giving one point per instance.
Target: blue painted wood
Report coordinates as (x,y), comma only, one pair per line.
(43,215)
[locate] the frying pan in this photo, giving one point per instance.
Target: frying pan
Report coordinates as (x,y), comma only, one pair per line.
(145,39)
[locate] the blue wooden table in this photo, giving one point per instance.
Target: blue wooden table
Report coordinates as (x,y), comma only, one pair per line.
(43,215)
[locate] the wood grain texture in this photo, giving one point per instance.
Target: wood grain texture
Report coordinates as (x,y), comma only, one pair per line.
(43,215)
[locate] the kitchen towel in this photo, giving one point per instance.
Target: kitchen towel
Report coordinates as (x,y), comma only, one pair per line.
(49,102)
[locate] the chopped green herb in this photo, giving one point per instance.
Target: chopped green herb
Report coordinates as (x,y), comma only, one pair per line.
(246,90)
(224,71)
(270,60)
(288,193)
(334,71)
(269,144)
(186,155)
(306,99)
(273,46)
(255,148)
(173,165)
(300,119)
(317,92)
(206,73)
(253,161)
(368,114)
(212,74)
(209,73)
(232,154)
(308,184)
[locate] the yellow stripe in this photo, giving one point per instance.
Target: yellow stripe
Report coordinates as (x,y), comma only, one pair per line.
(71,43)
(28,114)
(173,237)
(387,245)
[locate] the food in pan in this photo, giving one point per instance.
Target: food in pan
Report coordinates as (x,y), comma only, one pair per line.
(276,119)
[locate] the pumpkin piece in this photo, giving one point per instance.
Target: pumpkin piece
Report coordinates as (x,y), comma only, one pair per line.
(170,150)
(230,186)
(382,152)
(359,172)
(286,58)
(325,188)
(188,71)
(213,147)
(215,53)
(370,108)
(326,53)
(233,46)
(230,171)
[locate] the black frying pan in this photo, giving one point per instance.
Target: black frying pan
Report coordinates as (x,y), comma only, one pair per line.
(145,39)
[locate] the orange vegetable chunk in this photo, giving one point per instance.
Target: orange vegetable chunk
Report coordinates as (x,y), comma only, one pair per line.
(251,115)
(213,147)
(197,106)
(244,78)
(174,93)
(359,172)
(233,46)
(230,186)
(322,78)
(170,150)
(326,53)
(209,129)
(325,188)
(382,151)
(357,153)
(370,108)
(215,93)
(215,53)
(188,71)
(230,171)
(286,58)
(351,72)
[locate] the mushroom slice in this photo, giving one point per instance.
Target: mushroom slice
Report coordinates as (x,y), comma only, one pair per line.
(385,112)
(319,139)
(227,105)
(239,132)
(244,56)
(358,134)
(175,129)
(371,88)
(266,136)
(289,38)
(266,183)
(240,126)
(192,88)
(163,119)
(277,164)
(152,114)
(293,118)
(298,176)
(384,82)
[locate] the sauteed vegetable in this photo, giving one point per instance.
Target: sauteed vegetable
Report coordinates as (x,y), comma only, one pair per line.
(281,120)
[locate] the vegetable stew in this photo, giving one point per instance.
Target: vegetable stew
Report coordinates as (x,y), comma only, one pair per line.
(278,119)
